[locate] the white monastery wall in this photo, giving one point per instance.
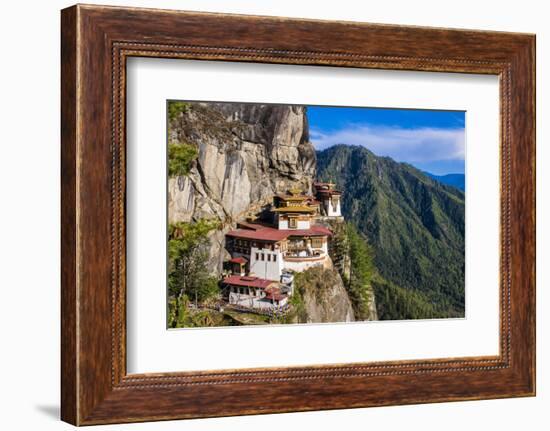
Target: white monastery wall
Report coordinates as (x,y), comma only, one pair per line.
(270,267)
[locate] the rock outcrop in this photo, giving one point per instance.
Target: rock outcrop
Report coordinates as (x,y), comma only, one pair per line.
(247,153)
(324,297)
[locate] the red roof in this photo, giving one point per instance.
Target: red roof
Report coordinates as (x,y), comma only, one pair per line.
(247,281)
(238,260)
(274,293)
(270,234)
(266,234)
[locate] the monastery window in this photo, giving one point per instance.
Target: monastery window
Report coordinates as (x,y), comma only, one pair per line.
(257,256)
(317,242)
(274,258)
(263,256)
(292,222)
(334,202)
(269,258)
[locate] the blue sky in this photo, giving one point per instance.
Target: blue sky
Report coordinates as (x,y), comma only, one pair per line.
(432,141)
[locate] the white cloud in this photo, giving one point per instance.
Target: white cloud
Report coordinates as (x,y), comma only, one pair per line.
(404,145)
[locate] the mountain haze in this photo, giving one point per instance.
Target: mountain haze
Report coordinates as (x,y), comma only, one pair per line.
(455,180)
(414,224)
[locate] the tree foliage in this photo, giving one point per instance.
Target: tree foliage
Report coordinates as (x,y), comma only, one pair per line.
(175,108)
(181,153)
(180,158)
(362,270)
(180,315)
(396,303)
(188,276)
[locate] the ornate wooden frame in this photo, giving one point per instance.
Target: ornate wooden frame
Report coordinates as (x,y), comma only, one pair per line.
(95,43)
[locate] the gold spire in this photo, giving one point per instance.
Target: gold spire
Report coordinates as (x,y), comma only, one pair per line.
(295,192)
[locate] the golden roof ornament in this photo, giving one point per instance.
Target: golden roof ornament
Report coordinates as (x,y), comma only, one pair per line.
(295,192)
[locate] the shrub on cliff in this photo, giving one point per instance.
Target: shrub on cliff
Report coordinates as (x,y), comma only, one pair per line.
(180,159)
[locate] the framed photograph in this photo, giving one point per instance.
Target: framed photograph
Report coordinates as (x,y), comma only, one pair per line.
(267,215)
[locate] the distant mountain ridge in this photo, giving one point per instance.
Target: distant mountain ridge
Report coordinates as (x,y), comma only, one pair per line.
(415,225)
(455,180)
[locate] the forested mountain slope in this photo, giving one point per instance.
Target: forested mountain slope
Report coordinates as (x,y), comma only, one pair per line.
(414,224)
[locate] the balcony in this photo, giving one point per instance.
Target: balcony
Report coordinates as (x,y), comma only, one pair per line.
(301,254)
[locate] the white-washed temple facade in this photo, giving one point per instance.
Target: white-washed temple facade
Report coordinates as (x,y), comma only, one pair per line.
(265,253)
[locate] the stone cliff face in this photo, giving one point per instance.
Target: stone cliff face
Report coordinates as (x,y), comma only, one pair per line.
(247,153)
(324,297)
